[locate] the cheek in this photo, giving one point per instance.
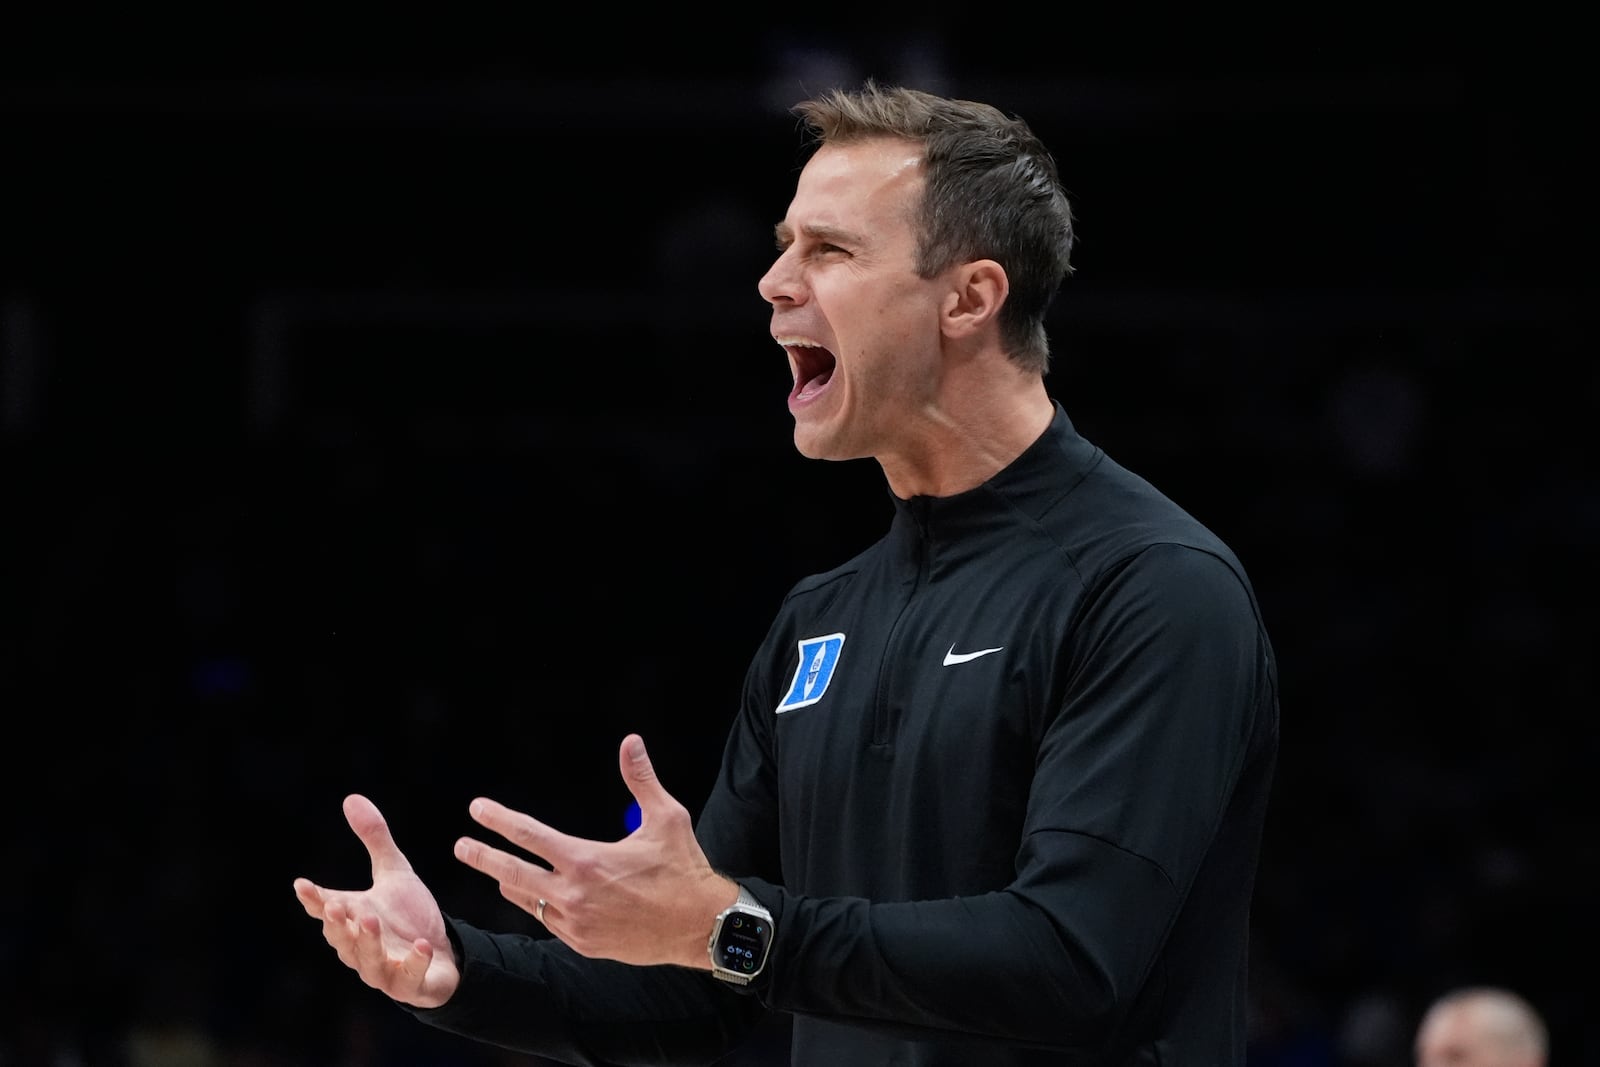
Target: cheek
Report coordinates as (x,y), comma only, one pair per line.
(914,311)
(908,334)
(898,317)
(888,333)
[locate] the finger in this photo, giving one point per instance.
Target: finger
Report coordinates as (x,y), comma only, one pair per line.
(415,964)
(639,774)
(378,963)
(342,930)
(518,878)
(524,831)
(310,896)
(370,826)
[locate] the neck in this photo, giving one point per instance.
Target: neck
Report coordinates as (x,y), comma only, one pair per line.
(963,442)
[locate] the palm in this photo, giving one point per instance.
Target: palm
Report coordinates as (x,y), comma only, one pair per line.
(393,935)
(407,911)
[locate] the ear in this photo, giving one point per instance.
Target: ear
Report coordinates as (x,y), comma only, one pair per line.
(973,303)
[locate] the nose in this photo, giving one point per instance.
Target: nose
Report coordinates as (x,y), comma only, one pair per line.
(781,283)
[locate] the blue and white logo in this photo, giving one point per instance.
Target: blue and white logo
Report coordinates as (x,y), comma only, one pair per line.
(818,657)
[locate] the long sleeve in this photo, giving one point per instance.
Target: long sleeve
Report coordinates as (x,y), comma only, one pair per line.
(536,995)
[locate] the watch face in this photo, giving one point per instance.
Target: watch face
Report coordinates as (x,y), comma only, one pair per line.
(742,942)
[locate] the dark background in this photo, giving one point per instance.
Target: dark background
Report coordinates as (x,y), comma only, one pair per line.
(392,410)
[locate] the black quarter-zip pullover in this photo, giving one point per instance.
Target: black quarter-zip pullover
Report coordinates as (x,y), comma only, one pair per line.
(1001,780)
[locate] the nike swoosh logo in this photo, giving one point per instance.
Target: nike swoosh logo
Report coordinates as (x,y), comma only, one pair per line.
(953,657)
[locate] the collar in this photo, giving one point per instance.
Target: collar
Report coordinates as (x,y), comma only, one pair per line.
(1023,490)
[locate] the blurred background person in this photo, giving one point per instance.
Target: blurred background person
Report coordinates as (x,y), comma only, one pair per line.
(1482,1026)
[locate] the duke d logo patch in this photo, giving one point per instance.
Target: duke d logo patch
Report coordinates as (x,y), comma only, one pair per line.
(818,657)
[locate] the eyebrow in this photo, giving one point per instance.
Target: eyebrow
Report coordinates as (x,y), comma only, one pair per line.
(830,234)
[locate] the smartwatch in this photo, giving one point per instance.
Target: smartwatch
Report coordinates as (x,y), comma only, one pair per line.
(740,939)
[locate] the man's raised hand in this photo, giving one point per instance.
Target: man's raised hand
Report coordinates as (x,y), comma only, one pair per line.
(391,934)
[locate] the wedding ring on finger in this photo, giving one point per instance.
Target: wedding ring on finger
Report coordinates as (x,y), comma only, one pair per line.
(538,909)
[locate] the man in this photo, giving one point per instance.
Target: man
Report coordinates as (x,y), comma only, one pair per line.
(996,788)
(1481,1026)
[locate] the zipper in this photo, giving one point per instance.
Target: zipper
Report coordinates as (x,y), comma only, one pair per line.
(882,724)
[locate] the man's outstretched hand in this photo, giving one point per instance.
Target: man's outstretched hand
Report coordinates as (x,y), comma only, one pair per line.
(649,898)
(393,934)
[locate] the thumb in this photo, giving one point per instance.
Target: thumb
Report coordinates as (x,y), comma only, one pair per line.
(369,825)
(639,774)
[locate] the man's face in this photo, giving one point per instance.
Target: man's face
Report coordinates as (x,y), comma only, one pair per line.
(860,326)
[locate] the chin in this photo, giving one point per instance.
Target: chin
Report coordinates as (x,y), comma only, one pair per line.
(812,443)
(807,445)
(825,431)
(821,446)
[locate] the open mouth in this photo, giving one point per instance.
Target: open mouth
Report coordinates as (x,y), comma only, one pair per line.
(812,365)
